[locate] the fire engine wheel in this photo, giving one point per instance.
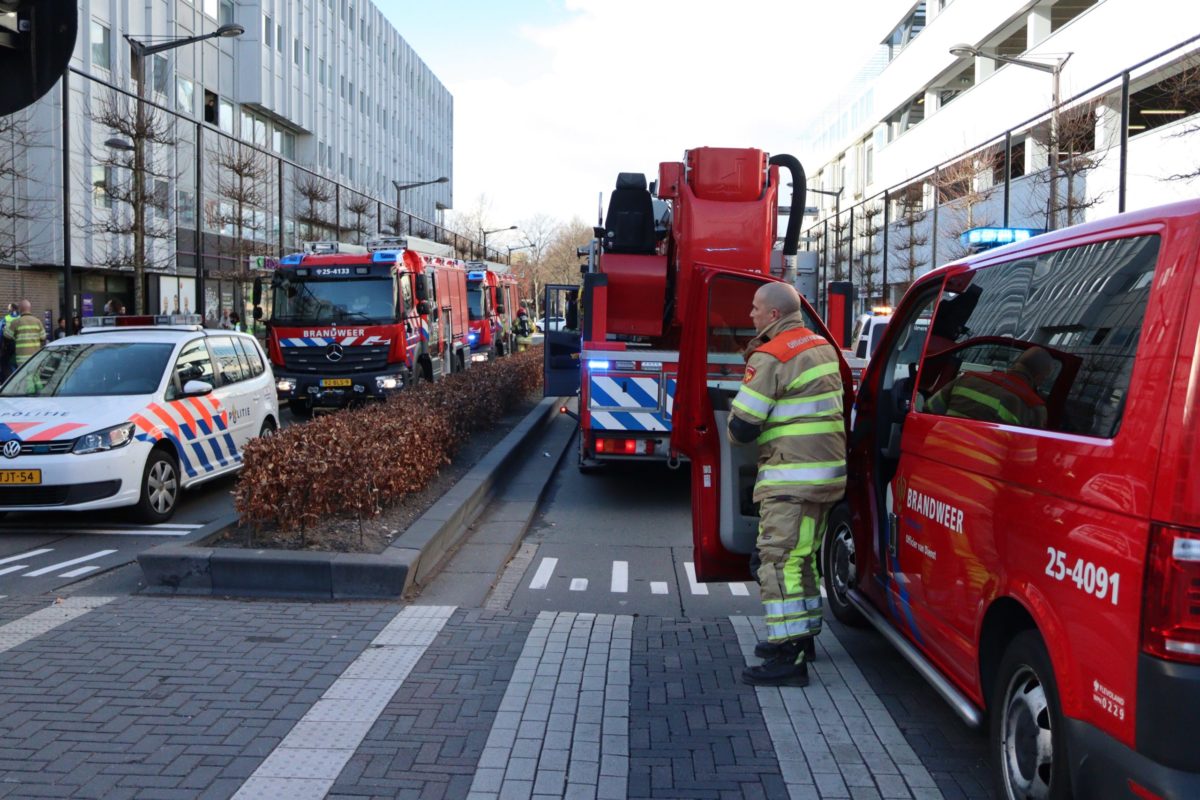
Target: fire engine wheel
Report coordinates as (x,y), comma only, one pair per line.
(160,488)
(300,409)
(838,567)
(1029,756)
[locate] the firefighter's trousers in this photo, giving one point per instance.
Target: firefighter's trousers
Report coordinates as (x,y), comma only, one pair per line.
(789,543)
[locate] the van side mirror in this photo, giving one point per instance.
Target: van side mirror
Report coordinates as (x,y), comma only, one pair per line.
(422,294)
(258,312)
(499,308)
(422,307)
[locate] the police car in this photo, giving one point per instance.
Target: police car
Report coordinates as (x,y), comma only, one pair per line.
(130,412)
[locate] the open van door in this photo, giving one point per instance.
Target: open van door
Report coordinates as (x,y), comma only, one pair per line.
(562,341)
(711,366)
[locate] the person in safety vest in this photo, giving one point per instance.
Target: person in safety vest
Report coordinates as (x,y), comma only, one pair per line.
(524,329)
(790,403)
(27,333)
(1008,397)
(6,350)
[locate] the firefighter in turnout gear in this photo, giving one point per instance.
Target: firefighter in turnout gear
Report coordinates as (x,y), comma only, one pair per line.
(27,333)
(791,404)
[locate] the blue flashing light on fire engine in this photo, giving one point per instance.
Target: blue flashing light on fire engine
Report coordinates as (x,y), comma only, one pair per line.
(472,337)
(383,257)
(599,364)
(475,276)
(292,260)
(986,238)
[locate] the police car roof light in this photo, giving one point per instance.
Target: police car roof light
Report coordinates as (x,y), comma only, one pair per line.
(141,320)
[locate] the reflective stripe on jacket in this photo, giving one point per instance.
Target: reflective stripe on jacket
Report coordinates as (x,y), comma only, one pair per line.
(993,397)
(28,335)
(793,391)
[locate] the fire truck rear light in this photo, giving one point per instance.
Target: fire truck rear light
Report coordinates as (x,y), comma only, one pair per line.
(1171,605)
(625,447)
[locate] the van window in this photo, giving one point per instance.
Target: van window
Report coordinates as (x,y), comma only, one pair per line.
(228,363)
(1044,342)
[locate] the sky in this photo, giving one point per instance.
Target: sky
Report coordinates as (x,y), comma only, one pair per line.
(552,98)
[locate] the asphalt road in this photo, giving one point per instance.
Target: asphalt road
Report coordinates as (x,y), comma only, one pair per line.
(44,552)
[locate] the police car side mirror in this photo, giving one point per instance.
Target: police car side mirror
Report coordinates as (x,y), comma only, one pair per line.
(197,388)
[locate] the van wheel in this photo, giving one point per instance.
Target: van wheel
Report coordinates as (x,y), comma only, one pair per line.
(838,567)
(1028,740)
(160,488)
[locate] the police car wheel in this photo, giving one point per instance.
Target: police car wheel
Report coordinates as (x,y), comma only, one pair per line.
(1028,738)
(160,488)
(268,428)
(838,567)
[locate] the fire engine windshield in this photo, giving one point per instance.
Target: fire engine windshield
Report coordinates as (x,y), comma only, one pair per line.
(476,304)
(322,300)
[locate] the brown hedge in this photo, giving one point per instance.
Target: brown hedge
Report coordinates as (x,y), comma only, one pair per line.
(356,462)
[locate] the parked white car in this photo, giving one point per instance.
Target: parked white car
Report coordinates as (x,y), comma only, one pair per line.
(130,413)
(554,323)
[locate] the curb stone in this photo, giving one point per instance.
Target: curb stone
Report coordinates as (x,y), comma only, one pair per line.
(182,568)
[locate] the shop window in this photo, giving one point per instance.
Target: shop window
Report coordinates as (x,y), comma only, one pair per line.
(1164,102)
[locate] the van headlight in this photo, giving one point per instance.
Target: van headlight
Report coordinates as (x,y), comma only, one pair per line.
(107,439)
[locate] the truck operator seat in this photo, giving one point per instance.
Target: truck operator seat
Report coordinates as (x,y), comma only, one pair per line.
(629,224)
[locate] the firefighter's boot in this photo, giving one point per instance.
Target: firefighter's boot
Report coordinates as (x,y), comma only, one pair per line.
(765,650)
(786,668)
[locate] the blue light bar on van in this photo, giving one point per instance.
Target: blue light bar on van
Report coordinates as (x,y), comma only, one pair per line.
(383,257)
(599,364)
(983,238)
(292,259)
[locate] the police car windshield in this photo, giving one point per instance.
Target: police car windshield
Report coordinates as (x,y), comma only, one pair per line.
(91,369)
(475,302)
(351,300)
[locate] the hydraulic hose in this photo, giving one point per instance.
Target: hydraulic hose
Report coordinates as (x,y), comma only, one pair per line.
(791,238)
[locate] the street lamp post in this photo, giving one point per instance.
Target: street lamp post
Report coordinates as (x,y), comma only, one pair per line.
(837,216)
(495,230)
(404,185)
(1055,71)
(138,52)
(519,247)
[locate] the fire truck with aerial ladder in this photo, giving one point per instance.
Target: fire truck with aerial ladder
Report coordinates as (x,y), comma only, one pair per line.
(653,341)
(349,323)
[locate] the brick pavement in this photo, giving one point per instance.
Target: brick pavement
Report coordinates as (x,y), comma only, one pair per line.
(195,698)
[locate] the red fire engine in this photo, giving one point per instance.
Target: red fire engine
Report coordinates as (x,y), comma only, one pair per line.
(492,297)
(350,323)
(713,229)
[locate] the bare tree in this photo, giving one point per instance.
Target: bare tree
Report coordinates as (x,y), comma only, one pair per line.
(962,189)
(314,217)
(15,138)
(243,182)
(1182,90)
(138,173)
(1078,154)
(538,233)
(839,230)
(911,237)
(360,207)
(865,274)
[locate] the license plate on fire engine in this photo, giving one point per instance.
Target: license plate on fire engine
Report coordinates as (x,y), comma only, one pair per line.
(336,382)
(20,476)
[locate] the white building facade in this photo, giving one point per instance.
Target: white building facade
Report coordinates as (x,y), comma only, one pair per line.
(327,90)
(923,108)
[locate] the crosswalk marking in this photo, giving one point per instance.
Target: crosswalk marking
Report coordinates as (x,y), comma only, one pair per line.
(106,530)
(71,563)
(579,584)
(697,588)
(16,568)
(620,576)
(658,587)
(23,556)
(545,571)
(739,590)
(75,573)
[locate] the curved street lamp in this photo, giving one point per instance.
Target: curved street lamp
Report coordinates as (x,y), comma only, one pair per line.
(495,230)
(963,50)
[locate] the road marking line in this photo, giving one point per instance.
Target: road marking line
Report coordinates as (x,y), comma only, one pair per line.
(55,567)
(739,590)
(579,584)
(75,573)
(620,576)
(129,532)
(545,571)
(30,554)
(62,611)
(310,758)
(697,588)
(17,568)
(658,587)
